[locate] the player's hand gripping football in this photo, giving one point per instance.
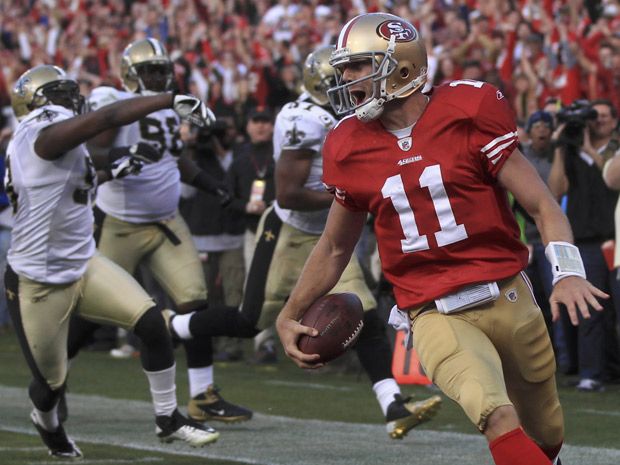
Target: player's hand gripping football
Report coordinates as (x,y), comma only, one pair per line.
(192,109)
(290,331)
(576,294)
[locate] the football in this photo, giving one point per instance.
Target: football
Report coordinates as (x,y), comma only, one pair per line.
(339,318)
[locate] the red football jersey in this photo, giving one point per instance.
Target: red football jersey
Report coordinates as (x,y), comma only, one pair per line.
(442,220)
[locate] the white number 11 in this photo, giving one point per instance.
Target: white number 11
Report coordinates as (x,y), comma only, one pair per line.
(449,233)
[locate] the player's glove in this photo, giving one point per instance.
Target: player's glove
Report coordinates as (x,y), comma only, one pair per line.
(122,161)
(142,151)
(192,109)
(124,166)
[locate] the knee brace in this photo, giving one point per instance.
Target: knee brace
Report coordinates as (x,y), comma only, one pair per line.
(156,352)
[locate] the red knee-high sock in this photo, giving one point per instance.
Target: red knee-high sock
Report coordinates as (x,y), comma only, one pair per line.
(515,448)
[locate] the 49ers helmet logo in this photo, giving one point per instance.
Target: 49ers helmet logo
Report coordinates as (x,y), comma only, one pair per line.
(402,31)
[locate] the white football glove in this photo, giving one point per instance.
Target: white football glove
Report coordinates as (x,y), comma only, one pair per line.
(192,109)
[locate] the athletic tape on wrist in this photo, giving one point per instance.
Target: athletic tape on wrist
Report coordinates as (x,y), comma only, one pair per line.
(565,260)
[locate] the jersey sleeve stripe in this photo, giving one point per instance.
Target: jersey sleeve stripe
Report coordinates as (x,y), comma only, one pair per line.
(497,140)
(499,149)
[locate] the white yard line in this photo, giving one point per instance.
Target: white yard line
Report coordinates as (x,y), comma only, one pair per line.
(317,386)
(94,462)
(604,413)
(272,440)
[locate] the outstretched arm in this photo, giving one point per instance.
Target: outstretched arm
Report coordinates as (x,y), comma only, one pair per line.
(520,178)
(321,272)
(61,137)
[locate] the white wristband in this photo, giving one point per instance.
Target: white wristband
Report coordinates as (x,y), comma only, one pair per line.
(565,261)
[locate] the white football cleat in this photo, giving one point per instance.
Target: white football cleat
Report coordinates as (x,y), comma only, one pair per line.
(178,428)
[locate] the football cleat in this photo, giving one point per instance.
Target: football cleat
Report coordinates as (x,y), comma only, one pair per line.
(178,428)
(58,443)
(403,414)
(125,351)
(211,406)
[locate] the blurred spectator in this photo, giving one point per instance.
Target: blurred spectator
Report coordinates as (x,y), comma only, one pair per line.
(539,152)
(583,148)
(251,176)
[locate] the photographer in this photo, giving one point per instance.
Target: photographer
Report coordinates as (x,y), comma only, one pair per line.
(584,142)
(217,231)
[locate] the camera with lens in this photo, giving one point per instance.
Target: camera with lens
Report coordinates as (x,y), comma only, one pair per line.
(575,116)
(217,129)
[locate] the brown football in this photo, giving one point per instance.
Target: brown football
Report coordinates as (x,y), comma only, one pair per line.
(339,318)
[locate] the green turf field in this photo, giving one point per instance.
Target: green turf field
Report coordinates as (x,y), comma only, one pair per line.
(301,419)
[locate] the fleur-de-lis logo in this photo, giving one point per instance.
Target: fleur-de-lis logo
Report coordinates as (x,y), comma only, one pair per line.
(294,136)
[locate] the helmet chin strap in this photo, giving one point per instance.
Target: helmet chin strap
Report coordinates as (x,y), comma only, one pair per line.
(372,109)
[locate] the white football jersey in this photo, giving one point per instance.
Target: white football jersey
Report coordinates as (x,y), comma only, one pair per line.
(52,238)
(154,193)
(303,125)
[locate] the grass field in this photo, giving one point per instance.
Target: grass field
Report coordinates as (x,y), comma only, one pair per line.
(301,419)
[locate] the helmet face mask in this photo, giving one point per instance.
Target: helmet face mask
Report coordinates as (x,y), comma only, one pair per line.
(63,93)
(319,75)
(45,85)
(343,100)
(398,57)
(146,67)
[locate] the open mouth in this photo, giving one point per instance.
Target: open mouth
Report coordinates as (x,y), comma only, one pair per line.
(358,96)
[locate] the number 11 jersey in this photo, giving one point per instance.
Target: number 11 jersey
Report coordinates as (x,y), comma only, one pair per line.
(442,219)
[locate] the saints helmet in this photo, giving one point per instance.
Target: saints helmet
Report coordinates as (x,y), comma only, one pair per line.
(398,57)
(45,85)
(146,67)
(319,75)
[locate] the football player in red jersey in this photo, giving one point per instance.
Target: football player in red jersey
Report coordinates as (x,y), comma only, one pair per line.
(434,169)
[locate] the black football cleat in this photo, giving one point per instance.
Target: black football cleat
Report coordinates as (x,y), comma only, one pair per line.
(211,406)
(58,443)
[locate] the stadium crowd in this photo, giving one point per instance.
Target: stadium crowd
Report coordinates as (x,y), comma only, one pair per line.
(245,58)
(239,54)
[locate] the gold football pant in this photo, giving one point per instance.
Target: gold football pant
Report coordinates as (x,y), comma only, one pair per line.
(494,355)
(174,264)
(105,294)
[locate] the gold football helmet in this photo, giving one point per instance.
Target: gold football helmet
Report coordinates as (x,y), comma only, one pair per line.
(398,57)
(44,85)
(146,67)
(319,75)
